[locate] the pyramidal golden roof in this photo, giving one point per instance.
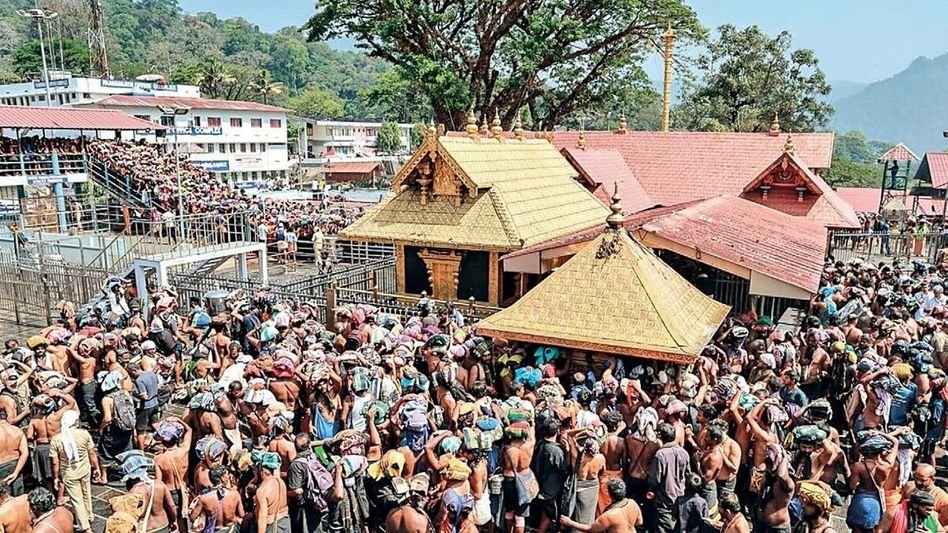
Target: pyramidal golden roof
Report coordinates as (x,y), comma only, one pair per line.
(519,192)
(614,296)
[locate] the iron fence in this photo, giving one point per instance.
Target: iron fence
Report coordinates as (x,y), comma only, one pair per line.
(873,246)
(29,294)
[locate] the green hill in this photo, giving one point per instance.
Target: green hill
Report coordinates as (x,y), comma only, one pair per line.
(909,107)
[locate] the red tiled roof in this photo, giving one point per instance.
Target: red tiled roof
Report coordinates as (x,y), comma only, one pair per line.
(934,169)
(121,100)
(862,199)
(675,167)
(351,167)
(601,169)
(632,221)
(69,118)
(820,204)
(745,233)
(929,206)
(899,152)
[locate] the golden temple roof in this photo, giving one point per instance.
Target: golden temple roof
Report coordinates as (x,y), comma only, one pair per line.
(511,193)
(614,296)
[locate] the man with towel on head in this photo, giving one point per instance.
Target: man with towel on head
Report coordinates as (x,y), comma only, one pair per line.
(160,511)
(74,462)
(273,515)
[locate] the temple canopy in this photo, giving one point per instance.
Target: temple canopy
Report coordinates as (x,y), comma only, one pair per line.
(614,296)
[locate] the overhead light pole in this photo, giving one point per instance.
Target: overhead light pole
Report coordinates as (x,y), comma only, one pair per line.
(173,112)
(41,15)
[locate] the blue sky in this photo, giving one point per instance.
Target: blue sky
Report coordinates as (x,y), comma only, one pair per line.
(856,40)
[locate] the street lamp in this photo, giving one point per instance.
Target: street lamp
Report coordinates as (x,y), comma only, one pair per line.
(39,15)
(174,111)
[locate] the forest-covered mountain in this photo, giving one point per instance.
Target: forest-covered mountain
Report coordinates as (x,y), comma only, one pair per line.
(228,58)
(909,107)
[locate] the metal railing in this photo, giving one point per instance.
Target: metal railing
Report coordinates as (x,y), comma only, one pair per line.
(116,185)
(38,164)
(405,306)
(872,246)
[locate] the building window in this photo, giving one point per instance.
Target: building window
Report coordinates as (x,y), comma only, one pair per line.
(243,147)
(253,175)
(253,147)
(167,121)
(210,148)
(233,148)
(263,147)
(143,117)
(42,98)
(236,122)
(277,123)
(197,122)
(256,123)
(213,122)
(223,148)
(86,95)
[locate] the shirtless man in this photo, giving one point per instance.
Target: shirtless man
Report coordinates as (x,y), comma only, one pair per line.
(46,424)
(516,463)
(773,515)
(763,436)
(730,460)
(641,445)
(287,391)
(407,519)
(14,453)
(710,463)
(163,517)
(223,505)
(47,516)
(14,512)
(614,451)
(592,464)
(732,519)
(819,461)
(273,515)
(227,405)
(622,516)
(282,443)
(87,385)
(171,465)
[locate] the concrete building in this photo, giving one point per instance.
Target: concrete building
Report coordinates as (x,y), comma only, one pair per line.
(324,139)
(66,90)
(242,141)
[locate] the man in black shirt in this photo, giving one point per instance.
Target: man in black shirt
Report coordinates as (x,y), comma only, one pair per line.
(303,515)
(550,465)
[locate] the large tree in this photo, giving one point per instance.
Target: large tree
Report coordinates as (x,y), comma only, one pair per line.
(745,77)
(555,57)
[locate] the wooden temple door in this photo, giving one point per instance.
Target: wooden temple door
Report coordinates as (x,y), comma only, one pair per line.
(443,268)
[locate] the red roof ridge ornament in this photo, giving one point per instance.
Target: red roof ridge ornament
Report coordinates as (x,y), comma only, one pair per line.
(774,127)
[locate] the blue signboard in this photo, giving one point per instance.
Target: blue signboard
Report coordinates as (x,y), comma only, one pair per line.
(42,181)
(213,166)
(197,130)
(52,83)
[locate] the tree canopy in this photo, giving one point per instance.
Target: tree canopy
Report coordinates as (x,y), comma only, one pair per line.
(555,57)
(855,161)
(745,77)
(389,138)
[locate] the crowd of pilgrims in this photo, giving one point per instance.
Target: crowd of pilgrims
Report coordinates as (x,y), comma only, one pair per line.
(418,424)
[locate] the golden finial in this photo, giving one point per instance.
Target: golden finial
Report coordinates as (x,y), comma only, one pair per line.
(788,146)
(471,124)
(484,130)
(623,125)
(775,127)
(431,129)
(518,128)
(581,142)
(615,218)
(496,131)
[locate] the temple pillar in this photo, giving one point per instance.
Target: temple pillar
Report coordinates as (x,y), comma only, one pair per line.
(493,279)
(400,268)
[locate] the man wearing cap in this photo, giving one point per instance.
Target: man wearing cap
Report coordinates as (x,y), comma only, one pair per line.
(271,501)
(163,513)
(74,462)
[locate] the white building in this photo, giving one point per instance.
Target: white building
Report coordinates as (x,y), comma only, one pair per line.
(325,139)
(66,90)
(242,141)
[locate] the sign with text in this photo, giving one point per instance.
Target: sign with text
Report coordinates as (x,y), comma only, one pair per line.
(213,166)
(52,83)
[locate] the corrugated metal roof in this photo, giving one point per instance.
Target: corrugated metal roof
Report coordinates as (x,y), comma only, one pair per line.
(122,100)
(70,118)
